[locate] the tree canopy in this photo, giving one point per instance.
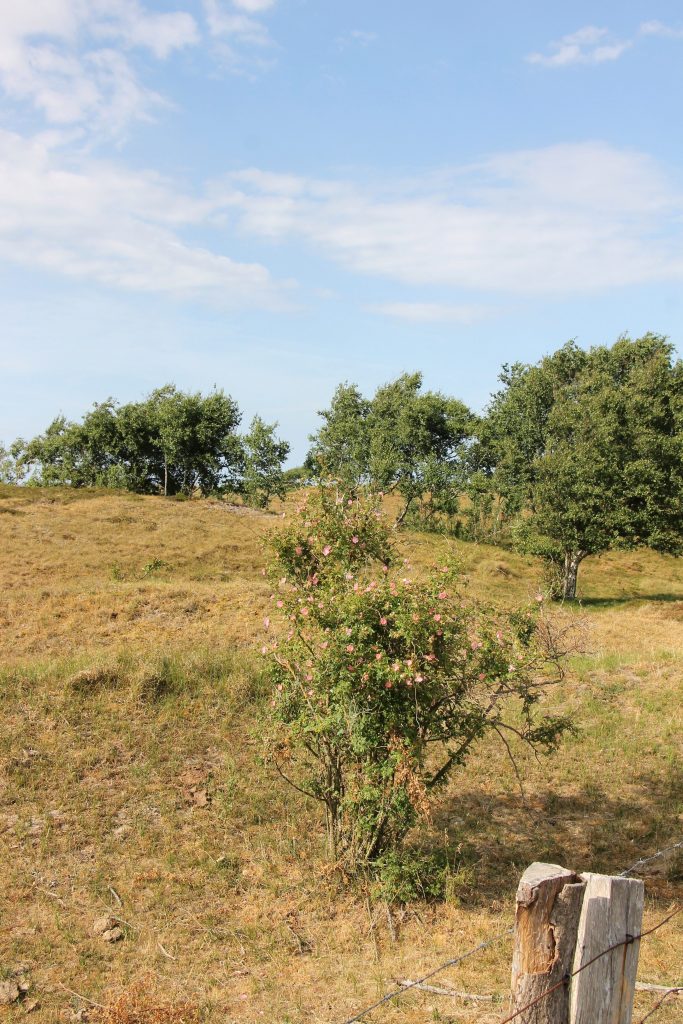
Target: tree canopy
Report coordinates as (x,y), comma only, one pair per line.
(172,442)
(586,450)
(404,440)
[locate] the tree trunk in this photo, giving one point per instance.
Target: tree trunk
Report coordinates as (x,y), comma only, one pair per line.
(572,561)
(404,513)
(165,477)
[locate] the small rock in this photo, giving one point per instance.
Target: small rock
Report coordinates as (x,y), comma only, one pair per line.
(113,934)
(103,924)
(33,1005)
(9,993)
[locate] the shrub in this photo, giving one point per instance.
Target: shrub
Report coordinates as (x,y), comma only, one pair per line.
(383,684)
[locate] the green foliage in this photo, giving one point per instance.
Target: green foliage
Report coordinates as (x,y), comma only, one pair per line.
(588,448)
(12,469)
(382,684)
(264,454)
(340,447)
(404,440)
(170,443)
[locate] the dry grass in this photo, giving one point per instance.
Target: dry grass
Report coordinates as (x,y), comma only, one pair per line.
(131,782)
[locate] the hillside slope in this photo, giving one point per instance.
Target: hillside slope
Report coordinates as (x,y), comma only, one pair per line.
(132,781)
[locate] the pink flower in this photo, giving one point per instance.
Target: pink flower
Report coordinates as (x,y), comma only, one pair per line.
(326,550)
(324,645)
(385,568)
(264,650)
(388,684)
(348,575)
(280,687)
(419,679)
(416,617)
(437,617)
(309,677)
(266,622)
(305,610)
(482,676)
(443,595)
(298,550)
(383,621)
(279,604)
(354,540)
(350,648)
(310,693)
(396,666)
(348,631)
(350,501)
(378,656)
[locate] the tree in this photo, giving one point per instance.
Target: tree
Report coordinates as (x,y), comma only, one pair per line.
(197,440)
(12,469)
(172,442)
(587,450)
(417,440)
(383,685)
(341,446)
(404,440)
(264,454)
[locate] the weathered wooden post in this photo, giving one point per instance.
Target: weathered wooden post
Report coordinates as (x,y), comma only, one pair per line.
(563,922)
(612,911)
(549,901)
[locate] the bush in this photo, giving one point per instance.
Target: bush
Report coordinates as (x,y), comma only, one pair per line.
(382,684)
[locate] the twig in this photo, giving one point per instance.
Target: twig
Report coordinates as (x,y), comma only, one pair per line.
(372,926)
(79,996)
(407,983)
(672,991)
(390,919)
(643,986)
(116,896)
(166,952)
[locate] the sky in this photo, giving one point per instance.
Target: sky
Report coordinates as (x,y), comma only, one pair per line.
(274,196)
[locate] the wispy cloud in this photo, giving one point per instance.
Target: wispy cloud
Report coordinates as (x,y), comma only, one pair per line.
(96,221)
(589,45)
(657,28)
(431,312)
(356,37)
(68,59)
(564,219)
(240,37)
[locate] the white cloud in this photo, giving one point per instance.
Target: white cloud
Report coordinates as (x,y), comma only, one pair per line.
(240,39)
(96,221)
(589,45)
(564,219)
(657,28)
(66,58)
(356,37)
(431,312)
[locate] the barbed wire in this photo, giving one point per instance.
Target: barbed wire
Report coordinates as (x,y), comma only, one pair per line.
(567,978)
(672,991)
(489,942)
(648,860)
(437,970)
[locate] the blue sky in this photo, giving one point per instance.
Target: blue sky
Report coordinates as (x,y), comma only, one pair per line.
(274,196)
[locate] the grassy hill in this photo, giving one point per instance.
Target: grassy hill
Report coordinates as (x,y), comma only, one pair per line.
(132,782)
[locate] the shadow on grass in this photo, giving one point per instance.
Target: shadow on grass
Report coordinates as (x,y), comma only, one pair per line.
(590,830)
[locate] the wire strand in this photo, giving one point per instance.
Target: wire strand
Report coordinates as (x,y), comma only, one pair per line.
(420,981)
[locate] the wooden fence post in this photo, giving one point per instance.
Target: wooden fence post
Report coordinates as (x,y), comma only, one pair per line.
(549,900)
(612,910)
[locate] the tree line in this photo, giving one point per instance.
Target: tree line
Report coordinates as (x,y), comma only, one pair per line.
(575,455)
(171,443)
